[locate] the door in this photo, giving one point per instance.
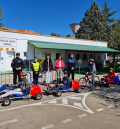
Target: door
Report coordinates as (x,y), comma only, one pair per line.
(10,57)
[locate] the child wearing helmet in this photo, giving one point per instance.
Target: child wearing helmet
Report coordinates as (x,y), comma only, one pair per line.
(64,84)
(92,66)
(20,88)
(109,78)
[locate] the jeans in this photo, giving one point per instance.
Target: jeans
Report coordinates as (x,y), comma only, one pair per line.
(35,78)
(59,73)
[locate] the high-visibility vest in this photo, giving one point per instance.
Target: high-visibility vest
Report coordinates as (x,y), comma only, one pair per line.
(36,66)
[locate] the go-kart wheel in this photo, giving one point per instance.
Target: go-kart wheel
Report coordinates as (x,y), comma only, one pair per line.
(6,102)
(38,96)
(58,93)
(79,89)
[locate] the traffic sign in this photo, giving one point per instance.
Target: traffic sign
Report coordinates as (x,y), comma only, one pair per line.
(79,62)
(110,60)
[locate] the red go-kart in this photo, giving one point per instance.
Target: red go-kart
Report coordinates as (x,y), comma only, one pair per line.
(34,92)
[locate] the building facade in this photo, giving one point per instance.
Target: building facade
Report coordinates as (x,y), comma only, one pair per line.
(12,41)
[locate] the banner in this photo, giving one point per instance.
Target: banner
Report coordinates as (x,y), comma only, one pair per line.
(8,44)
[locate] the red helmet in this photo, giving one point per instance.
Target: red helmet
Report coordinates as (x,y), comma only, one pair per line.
(23,74)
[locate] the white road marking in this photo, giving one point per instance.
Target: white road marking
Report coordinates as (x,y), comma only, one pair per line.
(65,101)
(67,120)
(83,115)
(47,127)
(3,123)
(101,109)
(43,103)
(118,104)
(78,105)
(110,106)
(53,102)
(78,98)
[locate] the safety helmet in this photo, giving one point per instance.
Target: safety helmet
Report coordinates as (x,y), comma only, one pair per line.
(91,60)
(65,72)
(23,74)
(111,69)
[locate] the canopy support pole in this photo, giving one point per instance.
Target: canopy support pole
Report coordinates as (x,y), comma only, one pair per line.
(114,61)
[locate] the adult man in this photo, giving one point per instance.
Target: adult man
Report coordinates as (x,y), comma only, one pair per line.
(17,65)
(36,70)
(71,66)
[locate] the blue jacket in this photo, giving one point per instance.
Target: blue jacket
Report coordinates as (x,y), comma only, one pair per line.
(71,63)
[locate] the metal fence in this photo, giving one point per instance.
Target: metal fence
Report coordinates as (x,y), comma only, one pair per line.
(7,78)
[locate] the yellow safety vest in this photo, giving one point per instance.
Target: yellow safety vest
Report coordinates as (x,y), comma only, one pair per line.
(36,66)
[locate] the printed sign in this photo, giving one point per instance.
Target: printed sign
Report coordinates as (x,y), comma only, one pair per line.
(8,44)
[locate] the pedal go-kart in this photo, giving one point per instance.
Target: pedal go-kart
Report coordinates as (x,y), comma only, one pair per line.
(73,86)
(116,81)
(34,92)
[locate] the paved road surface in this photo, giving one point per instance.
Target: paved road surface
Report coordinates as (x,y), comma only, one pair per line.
(85,110)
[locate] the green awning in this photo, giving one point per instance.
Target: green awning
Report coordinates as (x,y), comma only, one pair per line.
(65,46)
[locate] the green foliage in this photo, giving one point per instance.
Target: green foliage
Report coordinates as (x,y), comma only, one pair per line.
(54,34)
(1,24)
(107,14)
(116,30)
(95,27)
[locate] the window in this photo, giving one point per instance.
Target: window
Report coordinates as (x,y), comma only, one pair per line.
(78,56)
(90,55)
(25,54)
(69,55)
(57,55)
(84,56)
(99,57)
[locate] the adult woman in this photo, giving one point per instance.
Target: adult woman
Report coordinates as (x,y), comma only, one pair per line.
(59,66)
(47,68)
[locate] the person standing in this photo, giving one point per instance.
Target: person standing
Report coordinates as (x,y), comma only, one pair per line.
(17,65)
(36,69)
(93,71)
(47,68)
(71,66)
(59,66)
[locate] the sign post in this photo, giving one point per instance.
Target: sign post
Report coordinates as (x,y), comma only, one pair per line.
(79,63)
(110,61)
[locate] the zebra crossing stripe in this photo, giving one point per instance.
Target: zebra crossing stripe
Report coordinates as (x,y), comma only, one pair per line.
(65,101)
(77,98)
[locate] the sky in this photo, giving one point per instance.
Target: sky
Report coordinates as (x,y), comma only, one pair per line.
(47,16)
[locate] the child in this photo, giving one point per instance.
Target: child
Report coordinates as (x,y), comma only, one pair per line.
(20,88)
(109,78)
(36,70)
(64,84)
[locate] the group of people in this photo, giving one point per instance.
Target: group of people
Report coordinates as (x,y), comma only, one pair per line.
(20,87)
(18,64)
(48,68)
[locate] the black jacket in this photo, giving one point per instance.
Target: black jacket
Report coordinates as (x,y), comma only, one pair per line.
(66,81)
(34,70)
(16,63)
(45,65)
